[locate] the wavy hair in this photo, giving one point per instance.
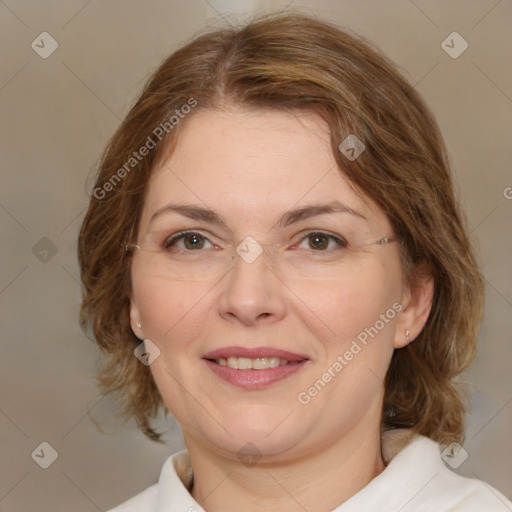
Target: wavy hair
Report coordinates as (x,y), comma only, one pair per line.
(291,61)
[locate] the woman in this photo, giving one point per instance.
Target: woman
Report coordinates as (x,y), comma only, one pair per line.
(274,253)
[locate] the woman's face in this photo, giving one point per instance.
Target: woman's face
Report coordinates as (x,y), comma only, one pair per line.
(332,312)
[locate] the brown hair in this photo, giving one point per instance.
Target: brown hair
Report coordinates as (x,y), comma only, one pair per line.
(291,61)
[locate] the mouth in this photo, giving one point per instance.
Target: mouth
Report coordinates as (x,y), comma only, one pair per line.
(254,368)
(259,363)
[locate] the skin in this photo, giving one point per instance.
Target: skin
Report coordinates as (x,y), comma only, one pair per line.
(250,166)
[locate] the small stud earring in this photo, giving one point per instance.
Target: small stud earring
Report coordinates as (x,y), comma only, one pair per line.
(407,332)
(139,325)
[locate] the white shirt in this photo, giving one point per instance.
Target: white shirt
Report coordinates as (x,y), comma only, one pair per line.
(414,480)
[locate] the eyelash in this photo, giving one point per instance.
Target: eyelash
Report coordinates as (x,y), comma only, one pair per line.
(174,239)
(340,242)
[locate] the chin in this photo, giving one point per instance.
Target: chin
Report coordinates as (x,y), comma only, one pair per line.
(262,432)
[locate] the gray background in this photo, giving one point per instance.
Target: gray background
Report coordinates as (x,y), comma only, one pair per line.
(58,113)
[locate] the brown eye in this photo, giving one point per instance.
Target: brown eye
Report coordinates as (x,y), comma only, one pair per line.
(193,241)
(318,241)
(186,241)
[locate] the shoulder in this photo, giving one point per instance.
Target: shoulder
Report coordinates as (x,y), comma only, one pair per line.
(170,493)
(462,494)
(416,479)
(146,500)
(441,489)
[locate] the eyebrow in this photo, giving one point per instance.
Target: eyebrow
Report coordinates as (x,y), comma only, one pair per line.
(306,212)
(290,217)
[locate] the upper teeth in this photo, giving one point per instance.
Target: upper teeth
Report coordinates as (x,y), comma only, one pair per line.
(244,363)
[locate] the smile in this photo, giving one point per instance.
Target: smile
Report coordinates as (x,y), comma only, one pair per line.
(259,363)
(254,368)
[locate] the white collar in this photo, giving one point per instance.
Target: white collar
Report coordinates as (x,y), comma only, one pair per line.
(414,479)
(176,477)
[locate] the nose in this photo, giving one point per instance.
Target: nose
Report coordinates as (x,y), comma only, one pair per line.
(251,292)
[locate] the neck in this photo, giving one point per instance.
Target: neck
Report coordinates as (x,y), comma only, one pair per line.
(320,481)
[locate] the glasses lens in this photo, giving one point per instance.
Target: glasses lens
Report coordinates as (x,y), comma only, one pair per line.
(194,260)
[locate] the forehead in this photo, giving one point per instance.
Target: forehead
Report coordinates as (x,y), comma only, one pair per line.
(256,162)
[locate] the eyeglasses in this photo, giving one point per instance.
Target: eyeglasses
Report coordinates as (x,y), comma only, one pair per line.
(191,256)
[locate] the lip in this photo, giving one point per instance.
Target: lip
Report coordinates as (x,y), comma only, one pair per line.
(254,379)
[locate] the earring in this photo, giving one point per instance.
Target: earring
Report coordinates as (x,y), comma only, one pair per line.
(139,325)
(407,332)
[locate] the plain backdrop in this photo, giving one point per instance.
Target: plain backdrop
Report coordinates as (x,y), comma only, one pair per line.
(57,114)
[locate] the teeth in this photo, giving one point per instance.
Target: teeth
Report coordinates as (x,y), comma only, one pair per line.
(244,363)
(261,364)
(233,362)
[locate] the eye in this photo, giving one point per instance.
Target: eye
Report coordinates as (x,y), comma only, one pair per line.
(320,241)
(187,241)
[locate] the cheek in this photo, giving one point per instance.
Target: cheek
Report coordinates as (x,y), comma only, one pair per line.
(341,310)
(170,312)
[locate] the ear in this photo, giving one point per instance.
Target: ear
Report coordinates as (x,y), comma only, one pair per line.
(134,319)
(416,304)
